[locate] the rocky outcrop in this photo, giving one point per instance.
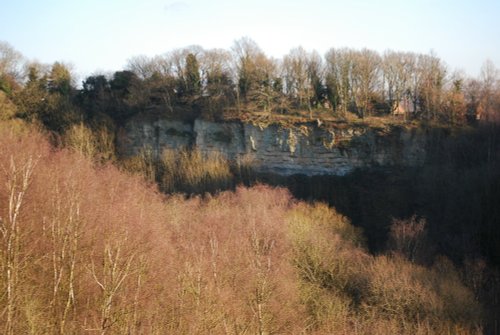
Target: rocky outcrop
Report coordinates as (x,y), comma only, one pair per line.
(303,149)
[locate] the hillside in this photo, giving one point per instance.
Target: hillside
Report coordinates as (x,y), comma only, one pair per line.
(85,248)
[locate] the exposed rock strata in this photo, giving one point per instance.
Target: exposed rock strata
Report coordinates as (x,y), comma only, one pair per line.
(306,149)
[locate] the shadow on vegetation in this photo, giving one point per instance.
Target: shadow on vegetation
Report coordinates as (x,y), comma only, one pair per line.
(455,194)
(86,248)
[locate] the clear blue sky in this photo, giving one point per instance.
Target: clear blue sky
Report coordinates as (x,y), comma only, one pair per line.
(100,35)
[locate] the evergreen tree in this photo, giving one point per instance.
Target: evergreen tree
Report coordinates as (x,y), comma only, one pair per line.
(192,76)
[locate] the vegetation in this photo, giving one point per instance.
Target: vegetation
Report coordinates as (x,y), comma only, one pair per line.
(86,248)
(186,171)
(244,83)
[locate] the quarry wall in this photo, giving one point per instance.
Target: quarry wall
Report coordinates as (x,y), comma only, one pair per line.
(307,148)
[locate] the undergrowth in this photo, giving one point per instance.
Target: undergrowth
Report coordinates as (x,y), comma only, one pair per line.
(86,248)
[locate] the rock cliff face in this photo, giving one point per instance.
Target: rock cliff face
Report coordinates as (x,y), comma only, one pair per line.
(304,149)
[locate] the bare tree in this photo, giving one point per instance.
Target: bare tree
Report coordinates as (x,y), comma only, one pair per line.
(10,63)
(453,106)
(426,85)
(109,274)
(256,76)
(472,92)
(409,238)
(18,176)
(316,74)
(339,78)
(296,80)
(246,51)
(217,81)
(303,78)
(489,77)
(65,231)
(397,71)
(366,70)
(146,67)
(158,80)
(262,264)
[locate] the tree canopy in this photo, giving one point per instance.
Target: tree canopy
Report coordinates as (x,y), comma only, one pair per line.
(345,83)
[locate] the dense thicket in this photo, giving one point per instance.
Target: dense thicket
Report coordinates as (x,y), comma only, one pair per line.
(85,248)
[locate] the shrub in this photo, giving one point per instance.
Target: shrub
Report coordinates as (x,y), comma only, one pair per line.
(90,249)
(346,290)
(190,171)
(144,164)
(7,108)
(418,296)
(409,238)
(96,144)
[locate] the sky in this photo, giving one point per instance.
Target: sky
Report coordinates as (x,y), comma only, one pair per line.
(101,35)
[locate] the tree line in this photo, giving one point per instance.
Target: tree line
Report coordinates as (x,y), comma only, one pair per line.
(193,82)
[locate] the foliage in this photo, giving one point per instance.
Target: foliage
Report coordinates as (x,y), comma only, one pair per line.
(183,171)
(189,82)
(86,249)
(96,144)
(192,171)
(8,109)
(387,293)
(408,238)
(96,245)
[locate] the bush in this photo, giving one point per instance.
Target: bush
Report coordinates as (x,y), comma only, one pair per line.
(190,171)
(7,108)
(409,238)
(344,288)
(96,144)
(90,249)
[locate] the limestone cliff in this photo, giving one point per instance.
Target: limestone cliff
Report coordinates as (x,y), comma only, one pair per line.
(302,149)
